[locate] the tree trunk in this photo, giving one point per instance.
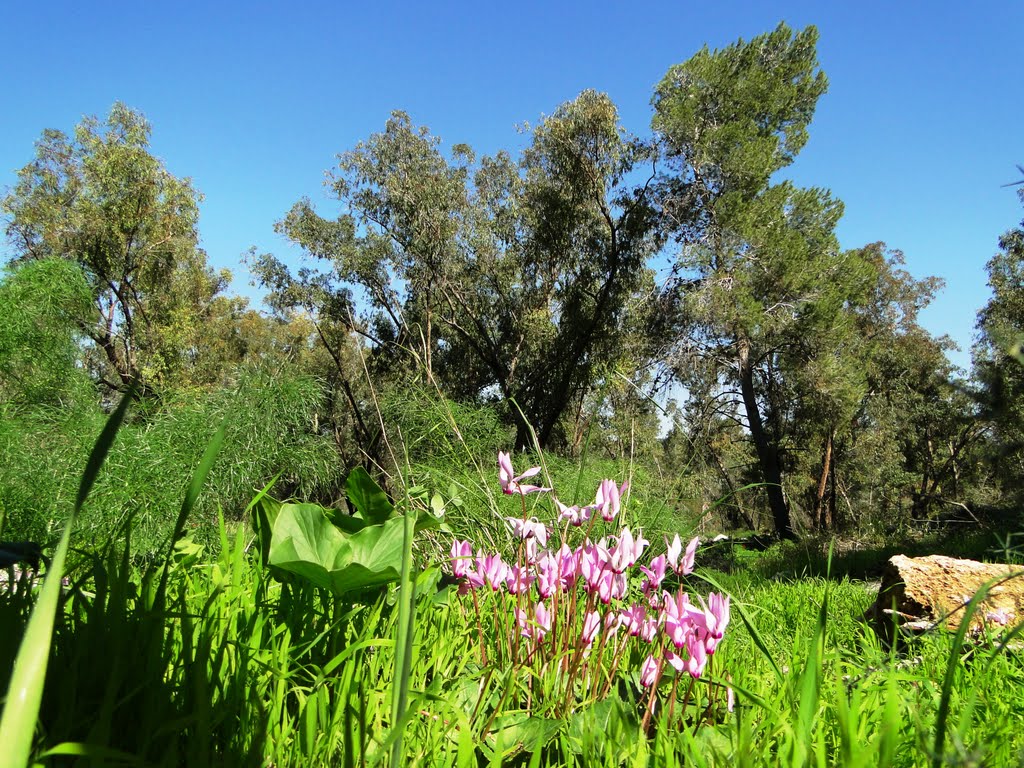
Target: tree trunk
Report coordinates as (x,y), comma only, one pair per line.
(767,451)
(822,512)
(740,516)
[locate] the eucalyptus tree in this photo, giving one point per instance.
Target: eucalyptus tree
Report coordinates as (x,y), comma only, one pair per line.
(101,200)
(493,278)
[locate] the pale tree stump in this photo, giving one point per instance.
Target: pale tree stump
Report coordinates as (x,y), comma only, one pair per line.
(922,593)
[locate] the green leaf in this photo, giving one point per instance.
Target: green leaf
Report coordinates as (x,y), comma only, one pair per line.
(191,495)
(514,732)
(307,543)
(264,515)
(367,497)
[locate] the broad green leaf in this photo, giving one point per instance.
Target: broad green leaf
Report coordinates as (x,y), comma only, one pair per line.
(367,497)
(264,515)
(307,543)
(516,731)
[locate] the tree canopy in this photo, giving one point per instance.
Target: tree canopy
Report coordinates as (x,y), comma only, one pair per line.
(101,200)
(497,277)
(524,284)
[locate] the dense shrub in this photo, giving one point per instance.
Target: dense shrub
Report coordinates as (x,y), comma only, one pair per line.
(271,430)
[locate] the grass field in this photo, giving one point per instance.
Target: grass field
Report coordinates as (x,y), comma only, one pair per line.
(208,657)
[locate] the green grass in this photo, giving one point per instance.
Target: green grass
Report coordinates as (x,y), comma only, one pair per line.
(239,669)
(270,432)
(201,657)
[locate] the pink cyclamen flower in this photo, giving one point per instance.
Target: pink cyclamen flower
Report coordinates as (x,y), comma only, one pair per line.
(535,626)
(591,565)
(591,625)
(533,551)
(462,558)
(999,616)
(655,575)
(676,661)
(718,606)
(576,516)
(568,566)
(612,622)
(529,529)
(649,629)
(694,663)
(543,617)
(611,586)
(493,569)
(686,567)
(679,618)
(621,556)
(518,580)
(548,576)
(698,657)
(627,550)
(474,578)
(510,483)
(633,618)
(675,549)
(649,672)
(523,621)
(608,500)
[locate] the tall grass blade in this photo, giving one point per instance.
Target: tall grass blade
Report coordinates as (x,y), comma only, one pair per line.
(25,692)
(191,495)
(404,636)
(810,680)
(952,664)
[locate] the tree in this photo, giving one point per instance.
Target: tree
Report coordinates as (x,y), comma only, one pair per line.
(99,199)
(998,362)
(878,393)
(756,259)
(771,318)
(492,278)
(44,302)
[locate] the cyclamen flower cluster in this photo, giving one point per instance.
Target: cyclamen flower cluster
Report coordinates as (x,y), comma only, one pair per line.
(669,623)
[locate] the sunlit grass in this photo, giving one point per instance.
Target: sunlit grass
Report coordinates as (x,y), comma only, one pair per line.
(240,669)
(205,658)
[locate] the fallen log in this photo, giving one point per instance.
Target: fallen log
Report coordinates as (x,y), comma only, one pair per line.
(923,593)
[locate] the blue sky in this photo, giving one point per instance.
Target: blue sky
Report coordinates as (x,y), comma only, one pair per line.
(921,125)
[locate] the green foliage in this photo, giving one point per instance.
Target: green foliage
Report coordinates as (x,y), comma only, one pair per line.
(259,672)
(28,671)
(334,551)
(271,430)
(45,303)
(496,278)
(771,325)
(997,359)
(433,429)
(100,200)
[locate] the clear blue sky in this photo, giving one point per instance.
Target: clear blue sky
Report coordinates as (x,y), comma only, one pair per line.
(921,125)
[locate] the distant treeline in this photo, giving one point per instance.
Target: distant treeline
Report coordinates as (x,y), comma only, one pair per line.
(521,288)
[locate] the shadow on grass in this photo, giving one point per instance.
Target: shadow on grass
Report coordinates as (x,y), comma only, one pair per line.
(839,557)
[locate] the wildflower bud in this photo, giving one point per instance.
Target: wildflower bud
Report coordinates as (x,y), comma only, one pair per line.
(649,672)
(462,553)
(591,624)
